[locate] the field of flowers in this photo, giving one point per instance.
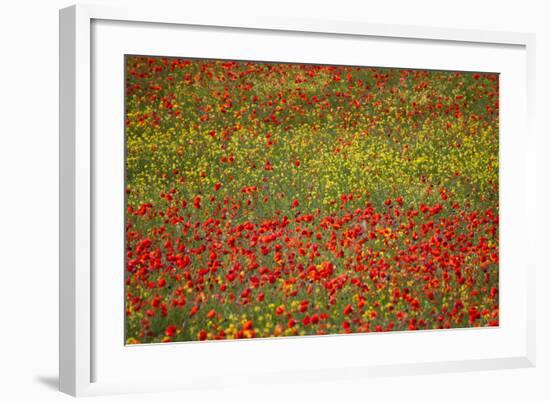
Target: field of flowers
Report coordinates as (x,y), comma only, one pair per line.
(287,199)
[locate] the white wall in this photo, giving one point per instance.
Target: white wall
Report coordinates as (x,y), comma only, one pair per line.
(29,215)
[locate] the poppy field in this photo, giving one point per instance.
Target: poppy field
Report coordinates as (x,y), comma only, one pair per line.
(270,199)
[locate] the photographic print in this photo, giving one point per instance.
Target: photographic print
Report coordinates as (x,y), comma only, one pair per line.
(278,199)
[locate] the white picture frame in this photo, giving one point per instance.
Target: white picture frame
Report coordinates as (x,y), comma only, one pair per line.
(78,317)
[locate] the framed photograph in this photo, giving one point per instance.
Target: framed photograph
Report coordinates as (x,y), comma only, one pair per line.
(274,200)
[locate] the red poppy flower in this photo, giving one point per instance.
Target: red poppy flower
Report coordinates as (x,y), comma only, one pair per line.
(171,330)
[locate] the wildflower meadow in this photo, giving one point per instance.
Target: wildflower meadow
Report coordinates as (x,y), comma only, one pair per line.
(270,199)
